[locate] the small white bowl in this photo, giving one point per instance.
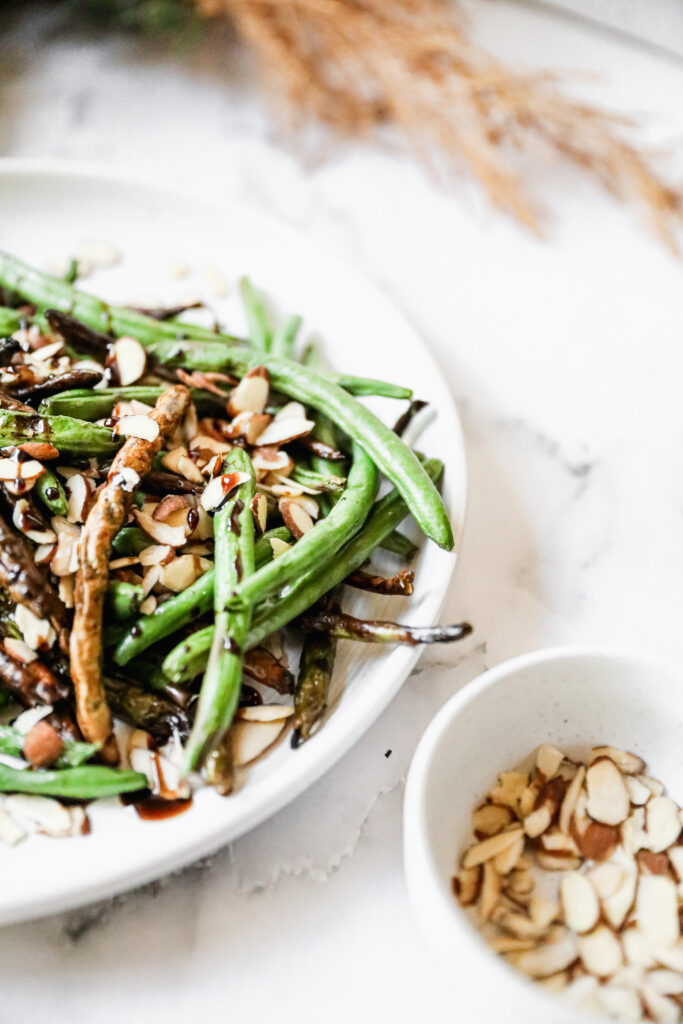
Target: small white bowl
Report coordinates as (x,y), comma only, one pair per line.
(573,697)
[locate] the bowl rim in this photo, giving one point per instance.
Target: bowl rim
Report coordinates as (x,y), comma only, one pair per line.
(431,902)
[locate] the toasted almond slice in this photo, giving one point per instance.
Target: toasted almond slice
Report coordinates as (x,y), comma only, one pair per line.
(79,494)
(580,902)
(11,832)
(555,841)
(556,982)
(37,633)
(666,982)
(272,460)
(489,819)
(543,911)
(538,821)
(491,847)
(546,959)
(600,952)
(650,863)
(265,713)
(162,533)
(518,924)
(49,815)
(181,573)
(124,562)
(19,650)
(190,470)
(657,910)
(669,956)
(155,554)
(608,799)
(619,903)
(309,504)
(296,517)
(622,1003)
(148,605)
(528,799)
(251,394)
(490,891)
(659,1007)
(606,879)
(252,739)
(571,798)
(44,553)
(259,510)
(171,503)
(509,790)
(140,426)
(676,858)
(9,469)
(466,884)
(626,762)
(662,824)
(278,546)
(637,949)
(655,787)
(638,793)
(220,488)
(249,425)
(633,834)
(506,860)
(131,360)
(510,944)
(283,430)
(170,459)
(548,760)
(556,861)
(291,410)
(66,588)
(520,882)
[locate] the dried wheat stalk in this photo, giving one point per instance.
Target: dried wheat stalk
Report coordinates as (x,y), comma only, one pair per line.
(356,64)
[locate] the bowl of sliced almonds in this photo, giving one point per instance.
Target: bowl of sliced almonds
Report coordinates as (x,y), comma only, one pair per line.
(543,839)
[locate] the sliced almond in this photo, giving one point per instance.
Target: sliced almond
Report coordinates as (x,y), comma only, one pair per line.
(676,859)
(278,546)
(11,832)
(529,799)
(633,834)
(259,509)
(155,554)
(148,605)
(579,902)
(466,885)
(49,815)
(659,1007)
(606,879)
(666,982)
(250,426)
(251,394)
(571,798)
(637,949)
(252,739)
(79,495)
(556,861)
(543,911)
(37,633)
(655,787)
(555,841)
(285,429)
(626,762)
(19,650)
(66,589)
(670,956)
(616,906)
(220,488)
(657,910)
(546,959)
(519,883)
(143,427)
(181,573)
(272,460)
(491,847)
(622,1003)
(509,790)
(508,859)
(662,824)
(131,360)
(600,952)
(490,891)
(650,863)
(638,793)
(608,799)
(548,760)
(511,944)
(265,713)
(489,819)
(162,533)
(538,821)
(296,518)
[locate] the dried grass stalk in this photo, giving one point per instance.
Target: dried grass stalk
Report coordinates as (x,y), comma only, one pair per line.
(358,64)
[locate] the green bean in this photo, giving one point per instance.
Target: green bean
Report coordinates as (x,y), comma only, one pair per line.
(71,274)
(153,712)
(371,631)
(284,337)
(312,685)
(45,292)
(86,404)
(260,333)
(49,489)
(70,436)
(10,321)
(130,540)
(234,560)
(319,545)
(398,544)
(388,452)
(150,675)
(74,753)
(85,783)
(188,657)
(124,599)
(263,551)
(316,480)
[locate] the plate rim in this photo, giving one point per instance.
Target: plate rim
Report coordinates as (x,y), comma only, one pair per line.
(208,842)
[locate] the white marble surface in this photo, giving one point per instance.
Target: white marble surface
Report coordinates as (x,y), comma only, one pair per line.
(566,358)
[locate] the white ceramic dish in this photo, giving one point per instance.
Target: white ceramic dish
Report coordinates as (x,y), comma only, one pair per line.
(572,697)
(46,210)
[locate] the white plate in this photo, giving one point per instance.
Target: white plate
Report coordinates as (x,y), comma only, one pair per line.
(46,210)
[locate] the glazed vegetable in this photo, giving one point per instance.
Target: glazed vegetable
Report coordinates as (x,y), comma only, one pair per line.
(85,783)
(400,584)
(124,599)
(153,712)
(70,436)
(73,754)
(234,554)
(313,684)
(346,627)
(30,684)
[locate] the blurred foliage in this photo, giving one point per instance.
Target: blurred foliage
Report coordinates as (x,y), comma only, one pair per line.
(149,17)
